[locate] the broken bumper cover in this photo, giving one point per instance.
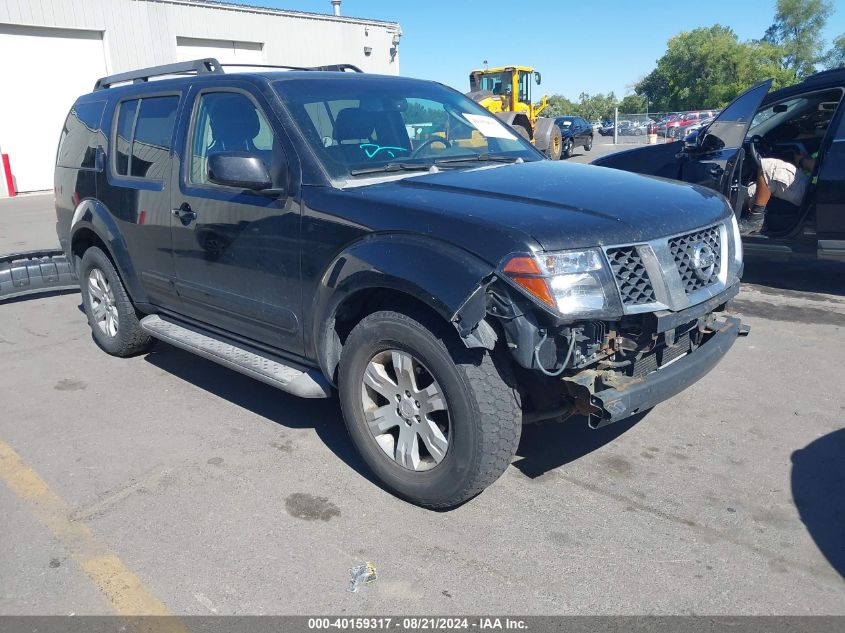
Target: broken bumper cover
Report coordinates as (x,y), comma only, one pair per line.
(617,404)
(33,272)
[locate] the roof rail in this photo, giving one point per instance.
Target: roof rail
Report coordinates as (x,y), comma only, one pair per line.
(824,74)
(329,67)
(208,65)
(338,68)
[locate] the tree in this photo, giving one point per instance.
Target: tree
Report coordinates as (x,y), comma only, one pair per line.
(559,106)
(596,107)
(797,32)
(590,107)
(835,57)
(634,104)
(707,67)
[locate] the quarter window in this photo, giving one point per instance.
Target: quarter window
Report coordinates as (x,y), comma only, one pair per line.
(80,136)
(144,137)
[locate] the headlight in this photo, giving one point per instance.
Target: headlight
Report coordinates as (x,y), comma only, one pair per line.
(575,283)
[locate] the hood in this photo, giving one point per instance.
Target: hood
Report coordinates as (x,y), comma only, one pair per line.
(560,205)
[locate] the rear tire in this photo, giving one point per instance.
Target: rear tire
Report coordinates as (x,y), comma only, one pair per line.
(478,419)
(111,315)
(588,145)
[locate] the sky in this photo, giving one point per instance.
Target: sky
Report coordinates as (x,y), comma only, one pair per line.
(577,46)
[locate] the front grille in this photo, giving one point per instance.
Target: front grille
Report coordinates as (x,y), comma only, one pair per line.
(688,250)
(631,276)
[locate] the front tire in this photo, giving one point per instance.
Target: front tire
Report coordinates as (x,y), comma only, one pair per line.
(588,145)
(111,315)
(434,421)
(567,148)
(523,131)
(553,151)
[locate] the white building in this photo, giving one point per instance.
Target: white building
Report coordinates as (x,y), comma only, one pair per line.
(51,51)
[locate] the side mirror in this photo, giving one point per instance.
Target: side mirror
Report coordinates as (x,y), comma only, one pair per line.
(238,169)
(537,78)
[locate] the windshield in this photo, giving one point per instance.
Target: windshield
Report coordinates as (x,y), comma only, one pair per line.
(359,125)
(497,83)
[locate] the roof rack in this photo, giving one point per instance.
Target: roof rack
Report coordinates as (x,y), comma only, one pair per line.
(327,68)
(208,65)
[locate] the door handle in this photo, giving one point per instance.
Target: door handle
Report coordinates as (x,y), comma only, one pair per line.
(185,214)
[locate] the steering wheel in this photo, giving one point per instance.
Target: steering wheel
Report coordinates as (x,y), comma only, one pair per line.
(428,142)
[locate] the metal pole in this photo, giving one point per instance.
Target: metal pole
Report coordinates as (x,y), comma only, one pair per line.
(616,126)
(336,6)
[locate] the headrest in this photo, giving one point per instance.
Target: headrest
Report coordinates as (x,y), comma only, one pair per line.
(354,124)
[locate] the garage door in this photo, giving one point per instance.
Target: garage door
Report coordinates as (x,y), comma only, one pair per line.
(226,52)
(42,72)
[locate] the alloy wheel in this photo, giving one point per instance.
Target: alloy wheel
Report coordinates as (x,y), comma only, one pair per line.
(406,410)
(103,306)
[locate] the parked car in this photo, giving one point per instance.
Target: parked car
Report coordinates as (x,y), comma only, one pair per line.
(575,131)
(664,123)
(807,118)
(623,127)
(607,128)
(676,128)
(691,131)
(449,289)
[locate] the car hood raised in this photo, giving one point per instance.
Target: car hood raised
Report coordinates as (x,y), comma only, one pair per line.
(561,205)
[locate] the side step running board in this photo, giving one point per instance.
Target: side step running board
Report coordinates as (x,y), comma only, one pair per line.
(35,271)
(282,374)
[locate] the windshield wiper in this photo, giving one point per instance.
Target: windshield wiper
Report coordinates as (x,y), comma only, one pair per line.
(479,157)
(391,167)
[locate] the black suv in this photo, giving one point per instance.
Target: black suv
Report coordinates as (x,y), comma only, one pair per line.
(296,226)
(807,119)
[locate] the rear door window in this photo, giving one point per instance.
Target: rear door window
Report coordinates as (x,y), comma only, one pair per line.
(144,136)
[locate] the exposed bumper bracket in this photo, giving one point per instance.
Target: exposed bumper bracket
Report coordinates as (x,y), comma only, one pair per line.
(611,405)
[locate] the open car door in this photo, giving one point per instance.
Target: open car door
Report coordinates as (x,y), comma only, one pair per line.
(713,159)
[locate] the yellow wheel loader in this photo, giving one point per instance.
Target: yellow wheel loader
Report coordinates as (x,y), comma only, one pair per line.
(506,92)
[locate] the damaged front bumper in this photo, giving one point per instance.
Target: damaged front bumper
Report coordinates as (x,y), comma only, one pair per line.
(635,395)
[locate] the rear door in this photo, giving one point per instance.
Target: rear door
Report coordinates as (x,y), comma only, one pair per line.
(715,159)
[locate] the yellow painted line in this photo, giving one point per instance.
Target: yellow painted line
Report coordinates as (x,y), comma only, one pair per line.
(122,588)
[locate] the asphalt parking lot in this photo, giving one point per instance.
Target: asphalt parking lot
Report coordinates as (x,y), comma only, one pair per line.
(165,483)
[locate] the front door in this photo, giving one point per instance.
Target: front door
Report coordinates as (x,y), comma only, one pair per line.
(716,158)
(236,252)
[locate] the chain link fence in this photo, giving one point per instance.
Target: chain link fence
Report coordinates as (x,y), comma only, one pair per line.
(653,127)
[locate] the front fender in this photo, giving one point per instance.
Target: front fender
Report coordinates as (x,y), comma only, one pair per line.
(92,216)
(439,274)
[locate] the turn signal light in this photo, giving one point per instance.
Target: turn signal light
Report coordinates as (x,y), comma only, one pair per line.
(526,272)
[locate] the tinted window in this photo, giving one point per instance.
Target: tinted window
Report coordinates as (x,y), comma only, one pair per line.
(152,139)
(79,139)
(123,141)
(729,129)
(228,122)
